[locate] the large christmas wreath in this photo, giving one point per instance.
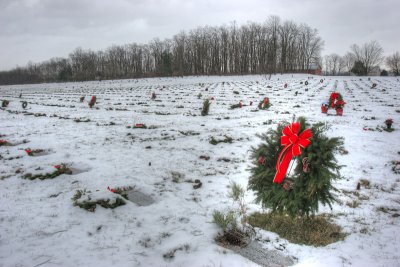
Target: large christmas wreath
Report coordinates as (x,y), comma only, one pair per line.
(298,193)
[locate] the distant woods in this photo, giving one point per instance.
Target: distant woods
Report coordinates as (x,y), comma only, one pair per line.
(253,48)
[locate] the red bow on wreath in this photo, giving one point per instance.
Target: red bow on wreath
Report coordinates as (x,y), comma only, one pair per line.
(292,142)
(112,189)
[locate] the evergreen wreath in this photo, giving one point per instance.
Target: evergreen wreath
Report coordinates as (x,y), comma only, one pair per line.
(264,104)
(5,103)
(311,183)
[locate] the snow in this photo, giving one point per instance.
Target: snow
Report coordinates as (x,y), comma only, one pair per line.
(40,226)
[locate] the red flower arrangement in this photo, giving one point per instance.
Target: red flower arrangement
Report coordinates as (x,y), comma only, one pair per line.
(336,101)
(324,108)
(29,152)
(92,101)
(137,126)
(389,123)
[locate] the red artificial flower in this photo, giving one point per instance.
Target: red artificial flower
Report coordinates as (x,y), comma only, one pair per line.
(265,100)
(57,167)
(212,98)
(286,186)
(388,121)
(240,104)
(3,141)
(28,151)
(340,102)
(261,160)
(138,125)
(334,96)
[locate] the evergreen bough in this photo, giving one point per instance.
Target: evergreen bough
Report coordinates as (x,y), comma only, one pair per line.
(300,194)
(206,107)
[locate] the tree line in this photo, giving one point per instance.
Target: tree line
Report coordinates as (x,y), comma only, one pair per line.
(253,48)
(361,60)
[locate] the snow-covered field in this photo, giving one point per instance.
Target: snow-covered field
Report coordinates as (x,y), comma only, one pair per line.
(39,226)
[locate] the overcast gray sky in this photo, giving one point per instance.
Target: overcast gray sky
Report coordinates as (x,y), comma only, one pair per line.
(36,30)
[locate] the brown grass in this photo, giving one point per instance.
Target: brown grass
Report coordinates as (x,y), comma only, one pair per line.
(315,231)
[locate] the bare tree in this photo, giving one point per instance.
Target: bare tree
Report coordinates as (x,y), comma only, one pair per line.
(247,49)
(370,54)
(393,62)
(348,61)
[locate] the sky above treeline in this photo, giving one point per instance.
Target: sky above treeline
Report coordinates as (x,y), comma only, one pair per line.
(37,30)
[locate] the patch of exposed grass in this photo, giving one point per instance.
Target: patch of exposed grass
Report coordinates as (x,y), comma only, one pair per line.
(315,231)
(365,183)
(171,254)
(354,204)
(227,139)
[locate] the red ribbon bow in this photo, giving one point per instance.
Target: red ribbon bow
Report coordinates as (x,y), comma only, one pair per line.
(112,189)
(292,142)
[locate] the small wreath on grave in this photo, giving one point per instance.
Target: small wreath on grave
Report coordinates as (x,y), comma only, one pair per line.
(321,81)
(227,139)
(298,193)
(4,143)
(264,104)
(5,103)
(32,153)
(306,83)
(139,126)
(24,104)
(234,106)
(60,169)
(89,201)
